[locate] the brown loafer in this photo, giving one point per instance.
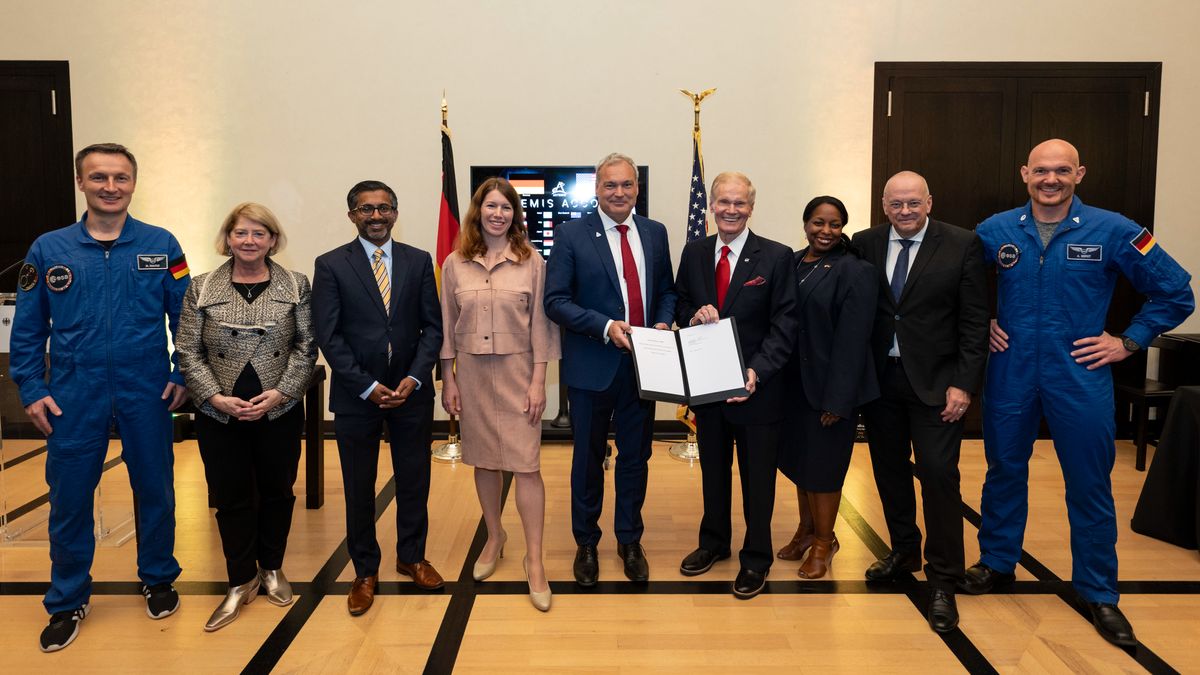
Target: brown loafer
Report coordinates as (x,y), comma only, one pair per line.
(423,575)
(362,594)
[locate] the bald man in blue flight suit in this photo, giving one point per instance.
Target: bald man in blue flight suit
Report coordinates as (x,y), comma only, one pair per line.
(1057,262)
(98,290)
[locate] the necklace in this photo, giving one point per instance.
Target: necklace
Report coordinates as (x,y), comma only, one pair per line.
(815,264)
(250,288)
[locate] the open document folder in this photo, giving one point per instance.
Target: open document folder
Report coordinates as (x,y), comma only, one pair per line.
(696,365)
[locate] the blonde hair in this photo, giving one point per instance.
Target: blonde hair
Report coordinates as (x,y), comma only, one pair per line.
(254,212)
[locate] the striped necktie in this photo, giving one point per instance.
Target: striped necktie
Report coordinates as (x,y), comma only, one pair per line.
(381,278)
(385,286)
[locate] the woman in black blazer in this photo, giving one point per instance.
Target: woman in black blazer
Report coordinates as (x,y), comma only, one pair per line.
(831,363)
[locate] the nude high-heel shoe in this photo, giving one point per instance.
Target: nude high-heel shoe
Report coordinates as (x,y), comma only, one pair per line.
(539,599)
(484,570)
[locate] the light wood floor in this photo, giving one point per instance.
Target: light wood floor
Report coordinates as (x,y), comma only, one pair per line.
(674,624)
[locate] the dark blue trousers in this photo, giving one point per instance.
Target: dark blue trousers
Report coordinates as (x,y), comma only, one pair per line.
(591,412)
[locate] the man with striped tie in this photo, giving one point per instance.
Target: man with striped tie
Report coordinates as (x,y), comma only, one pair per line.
(379,325)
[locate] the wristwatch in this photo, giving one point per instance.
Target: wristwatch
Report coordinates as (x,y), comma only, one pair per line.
(1129,345)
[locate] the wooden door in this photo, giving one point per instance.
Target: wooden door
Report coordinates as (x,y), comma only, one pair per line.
(36,160)
(968,127)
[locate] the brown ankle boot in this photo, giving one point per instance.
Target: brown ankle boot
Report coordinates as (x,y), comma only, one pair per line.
(820,557)
(794,550)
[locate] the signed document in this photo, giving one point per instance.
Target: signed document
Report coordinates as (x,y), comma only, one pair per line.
(695,365)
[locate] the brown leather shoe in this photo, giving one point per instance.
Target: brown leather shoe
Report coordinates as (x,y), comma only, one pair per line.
(423,575)
(362,594)
(820,557)
(800,543)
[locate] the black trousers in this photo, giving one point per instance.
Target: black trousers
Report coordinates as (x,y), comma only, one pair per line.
(410,428)
(757,456)
(250,468)
(900,426)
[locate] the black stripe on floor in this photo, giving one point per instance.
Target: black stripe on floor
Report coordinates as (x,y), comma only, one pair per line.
(33,504)
(959,644)
(444,652)
(285,632)
(1141,653)
(40,450)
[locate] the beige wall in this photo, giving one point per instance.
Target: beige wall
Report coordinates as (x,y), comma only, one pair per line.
(290,103)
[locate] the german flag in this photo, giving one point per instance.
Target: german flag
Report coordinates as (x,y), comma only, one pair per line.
(1143,242)
(178,267)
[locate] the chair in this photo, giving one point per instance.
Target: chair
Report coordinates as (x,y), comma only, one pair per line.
(1147,394)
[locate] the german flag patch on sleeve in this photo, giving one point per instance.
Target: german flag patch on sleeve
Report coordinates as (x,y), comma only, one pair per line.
(178,267)
(1143,242)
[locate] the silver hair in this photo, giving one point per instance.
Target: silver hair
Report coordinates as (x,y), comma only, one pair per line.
(613,158)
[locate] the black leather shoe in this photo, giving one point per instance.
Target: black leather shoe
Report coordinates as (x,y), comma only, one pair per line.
(749,584)
(893,565)
(1112,625)
(981,579)
(942,612)
(587,566)
(634,557)
(700,561)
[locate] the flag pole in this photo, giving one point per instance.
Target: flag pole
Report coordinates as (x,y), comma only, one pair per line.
(689,451)
(449,452)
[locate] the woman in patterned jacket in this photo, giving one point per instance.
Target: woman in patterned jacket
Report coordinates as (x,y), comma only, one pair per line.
(246,349)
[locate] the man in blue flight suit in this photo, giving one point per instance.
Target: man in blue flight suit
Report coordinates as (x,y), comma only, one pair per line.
(1057,262)
(98,290)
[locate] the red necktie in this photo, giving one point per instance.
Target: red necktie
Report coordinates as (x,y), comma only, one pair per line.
(722,276)
(633,284)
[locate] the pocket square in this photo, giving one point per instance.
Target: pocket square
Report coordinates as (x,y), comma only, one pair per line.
(756,281)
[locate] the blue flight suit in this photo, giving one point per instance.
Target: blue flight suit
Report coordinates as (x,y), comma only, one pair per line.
(103,313)
(1048,298)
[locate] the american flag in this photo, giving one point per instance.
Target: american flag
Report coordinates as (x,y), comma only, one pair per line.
(697,224)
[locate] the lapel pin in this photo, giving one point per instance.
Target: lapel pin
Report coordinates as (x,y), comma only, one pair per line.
(745,260)
(597,235)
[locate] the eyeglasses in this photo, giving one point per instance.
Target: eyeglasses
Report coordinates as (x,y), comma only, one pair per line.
(383,209)
(912,205)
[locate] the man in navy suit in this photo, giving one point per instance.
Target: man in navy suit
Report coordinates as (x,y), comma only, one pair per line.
(379,324)
(608,271)
(736,273)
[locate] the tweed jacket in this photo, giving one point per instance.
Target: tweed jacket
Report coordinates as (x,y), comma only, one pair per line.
(219,333)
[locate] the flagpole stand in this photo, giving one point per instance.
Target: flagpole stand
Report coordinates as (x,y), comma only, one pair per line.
(449,452)
(688,451)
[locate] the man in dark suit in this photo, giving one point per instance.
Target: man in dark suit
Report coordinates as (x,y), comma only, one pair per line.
(608,271)
(378,322)
(930,346)
(751,279)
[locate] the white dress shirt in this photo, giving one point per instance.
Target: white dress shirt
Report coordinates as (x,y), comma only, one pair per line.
(735,250)
(370,248)
(893,252)
(639,260)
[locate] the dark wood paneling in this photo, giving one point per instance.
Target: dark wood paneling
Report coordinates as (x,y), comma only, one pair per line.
(36,157)
(968,127)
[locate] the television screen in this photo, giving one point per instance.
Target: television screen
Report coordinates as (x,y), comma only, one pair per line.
(552,195)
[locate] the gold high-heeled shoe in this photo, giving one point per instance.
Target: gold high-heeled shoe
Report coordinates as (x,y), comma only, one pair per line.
(276,587)
(539,599)
(229,608)
(484,570)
